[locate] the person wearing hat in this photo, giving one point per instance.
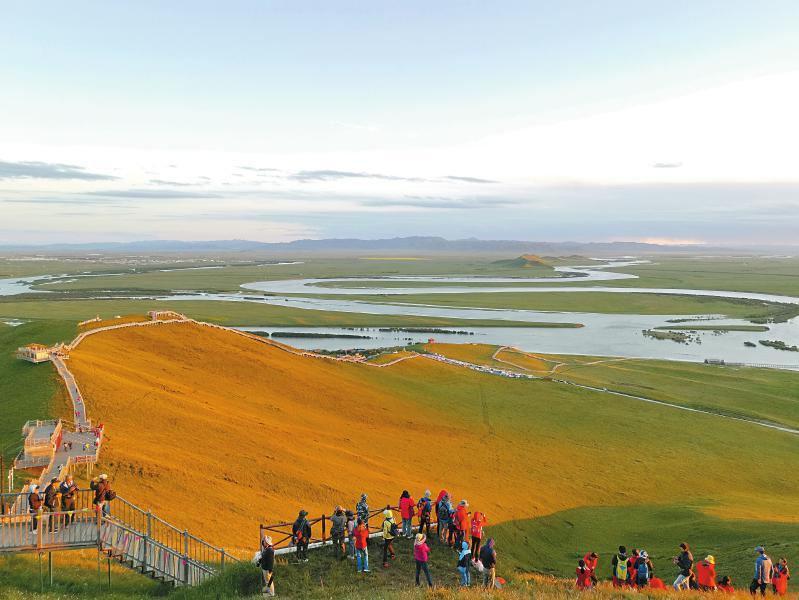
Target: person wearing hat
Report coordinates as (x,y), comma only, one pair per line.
(51,503)
(461,522)
(389,533)
(338,529)
(421,553)
(762,576)
(301,535)
(34,506)
(706,574)
(642,569)
(362,510)
(267,564)
(101,488)
(464,566)
(685,562)
(425,510)
(780,574)
(351,524)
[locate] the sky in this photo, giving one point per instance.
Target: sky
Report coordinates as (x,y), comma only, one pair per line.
(673,122)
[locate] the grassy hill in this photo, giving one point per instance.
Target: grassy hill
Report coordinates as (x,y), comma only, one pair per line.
(525,261)
(217,433)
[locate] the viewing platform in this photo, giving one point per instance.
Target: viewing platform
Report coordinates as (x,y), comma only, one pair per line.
(34,353)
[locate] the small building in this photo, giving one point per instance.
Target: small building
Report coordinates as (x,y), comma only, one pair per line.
(35,353)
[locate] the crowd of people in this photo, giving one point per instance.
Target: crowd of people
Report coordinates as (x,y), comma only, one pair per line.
(456,528)
(636,571)
(60,496)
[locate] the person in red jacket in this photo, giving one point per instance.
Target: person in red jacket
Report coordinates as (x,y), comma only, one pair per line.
(591,560)
(478,521)
(726,585)
(706,574)
(780,576)
(361,547)
(583,574)
(406,505)
(461,522)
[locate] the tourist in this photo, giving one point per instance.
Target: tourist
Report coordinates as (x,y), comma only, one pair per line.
(643,569)
(425,510)
(421,552)
(301,534)
(631,563)
(591,560)
(361,546)
(267,564)
(478,521)
(726,585)
(488,556)
(99,487)
(762,572)
(389,533)
(338,529)
(583,573)
(437,504)
(706,574)
(461,521)
(34,506)
(362,510)
(444,510)
(406,506)
(68,490)
(685,563)
(464,567)
(51,503)
(350,533)
(620,565)
(780,576)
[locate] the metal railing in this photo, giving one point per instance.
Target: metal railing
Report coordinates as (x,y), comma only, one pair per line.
(283,538)
(134,536)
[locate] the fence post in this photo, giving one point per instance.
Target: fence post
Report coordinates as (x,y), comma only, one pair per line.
(185,557)
(147,550)
(324,528)
(40,528)
(222,560)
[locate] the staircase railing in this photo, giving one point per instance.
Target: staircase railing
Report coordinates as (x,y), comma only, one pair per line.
(133,536)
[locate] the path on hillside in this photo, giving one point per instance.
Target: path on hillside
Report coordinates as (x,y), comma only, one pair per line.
(439,358)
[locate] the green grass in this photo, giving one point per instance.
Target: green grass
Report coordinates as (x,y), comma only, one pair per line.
(237,313)
(594,302)
(715,328)
(26,390)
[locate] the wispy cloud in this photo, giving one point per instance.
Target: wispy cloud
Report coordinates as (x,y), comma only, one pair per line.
(43,170)
(469,179)
(439,202)
(667,165)
(331,175)
(153,194)
(174,183)
(259,169)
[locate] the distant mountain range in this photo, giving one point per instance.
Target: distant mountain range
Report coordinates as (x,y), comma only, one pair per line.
(416,244)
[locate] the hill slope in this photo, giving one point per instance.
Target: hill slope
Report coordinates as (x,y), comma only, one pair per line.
(217,432)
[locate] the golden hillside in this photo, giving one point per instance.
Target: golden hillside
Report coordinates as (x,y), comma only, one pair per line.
(216,433)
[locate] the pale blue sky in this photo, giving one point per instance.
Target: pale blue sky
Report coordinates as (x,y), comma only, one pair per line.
(128,89)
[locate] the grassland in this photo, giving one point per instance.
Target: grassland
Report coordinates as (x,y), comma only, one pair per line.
(558,469)
(237,313)
(27,391)
(761,394)
(595,302)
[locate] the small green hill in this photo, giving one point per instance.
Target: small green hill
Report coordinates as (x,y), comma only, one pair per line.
(525,261)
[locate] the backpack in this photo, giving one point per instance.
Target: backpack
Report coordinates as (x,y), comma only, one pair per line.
(393,530)
(621,568)
(477,531)
(643,570)
(443,511)
(110,495)
(424,508)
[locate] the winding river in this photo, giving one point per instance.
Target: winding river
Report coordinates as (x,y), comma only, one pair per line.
(602,334)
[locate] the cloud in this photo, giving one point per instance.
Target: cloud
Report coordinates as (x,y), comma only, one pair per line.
(330,175)
(258,169)
(438,202)
(43,170)
(666,165)
(469,179)
(152,194)
(165,182)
